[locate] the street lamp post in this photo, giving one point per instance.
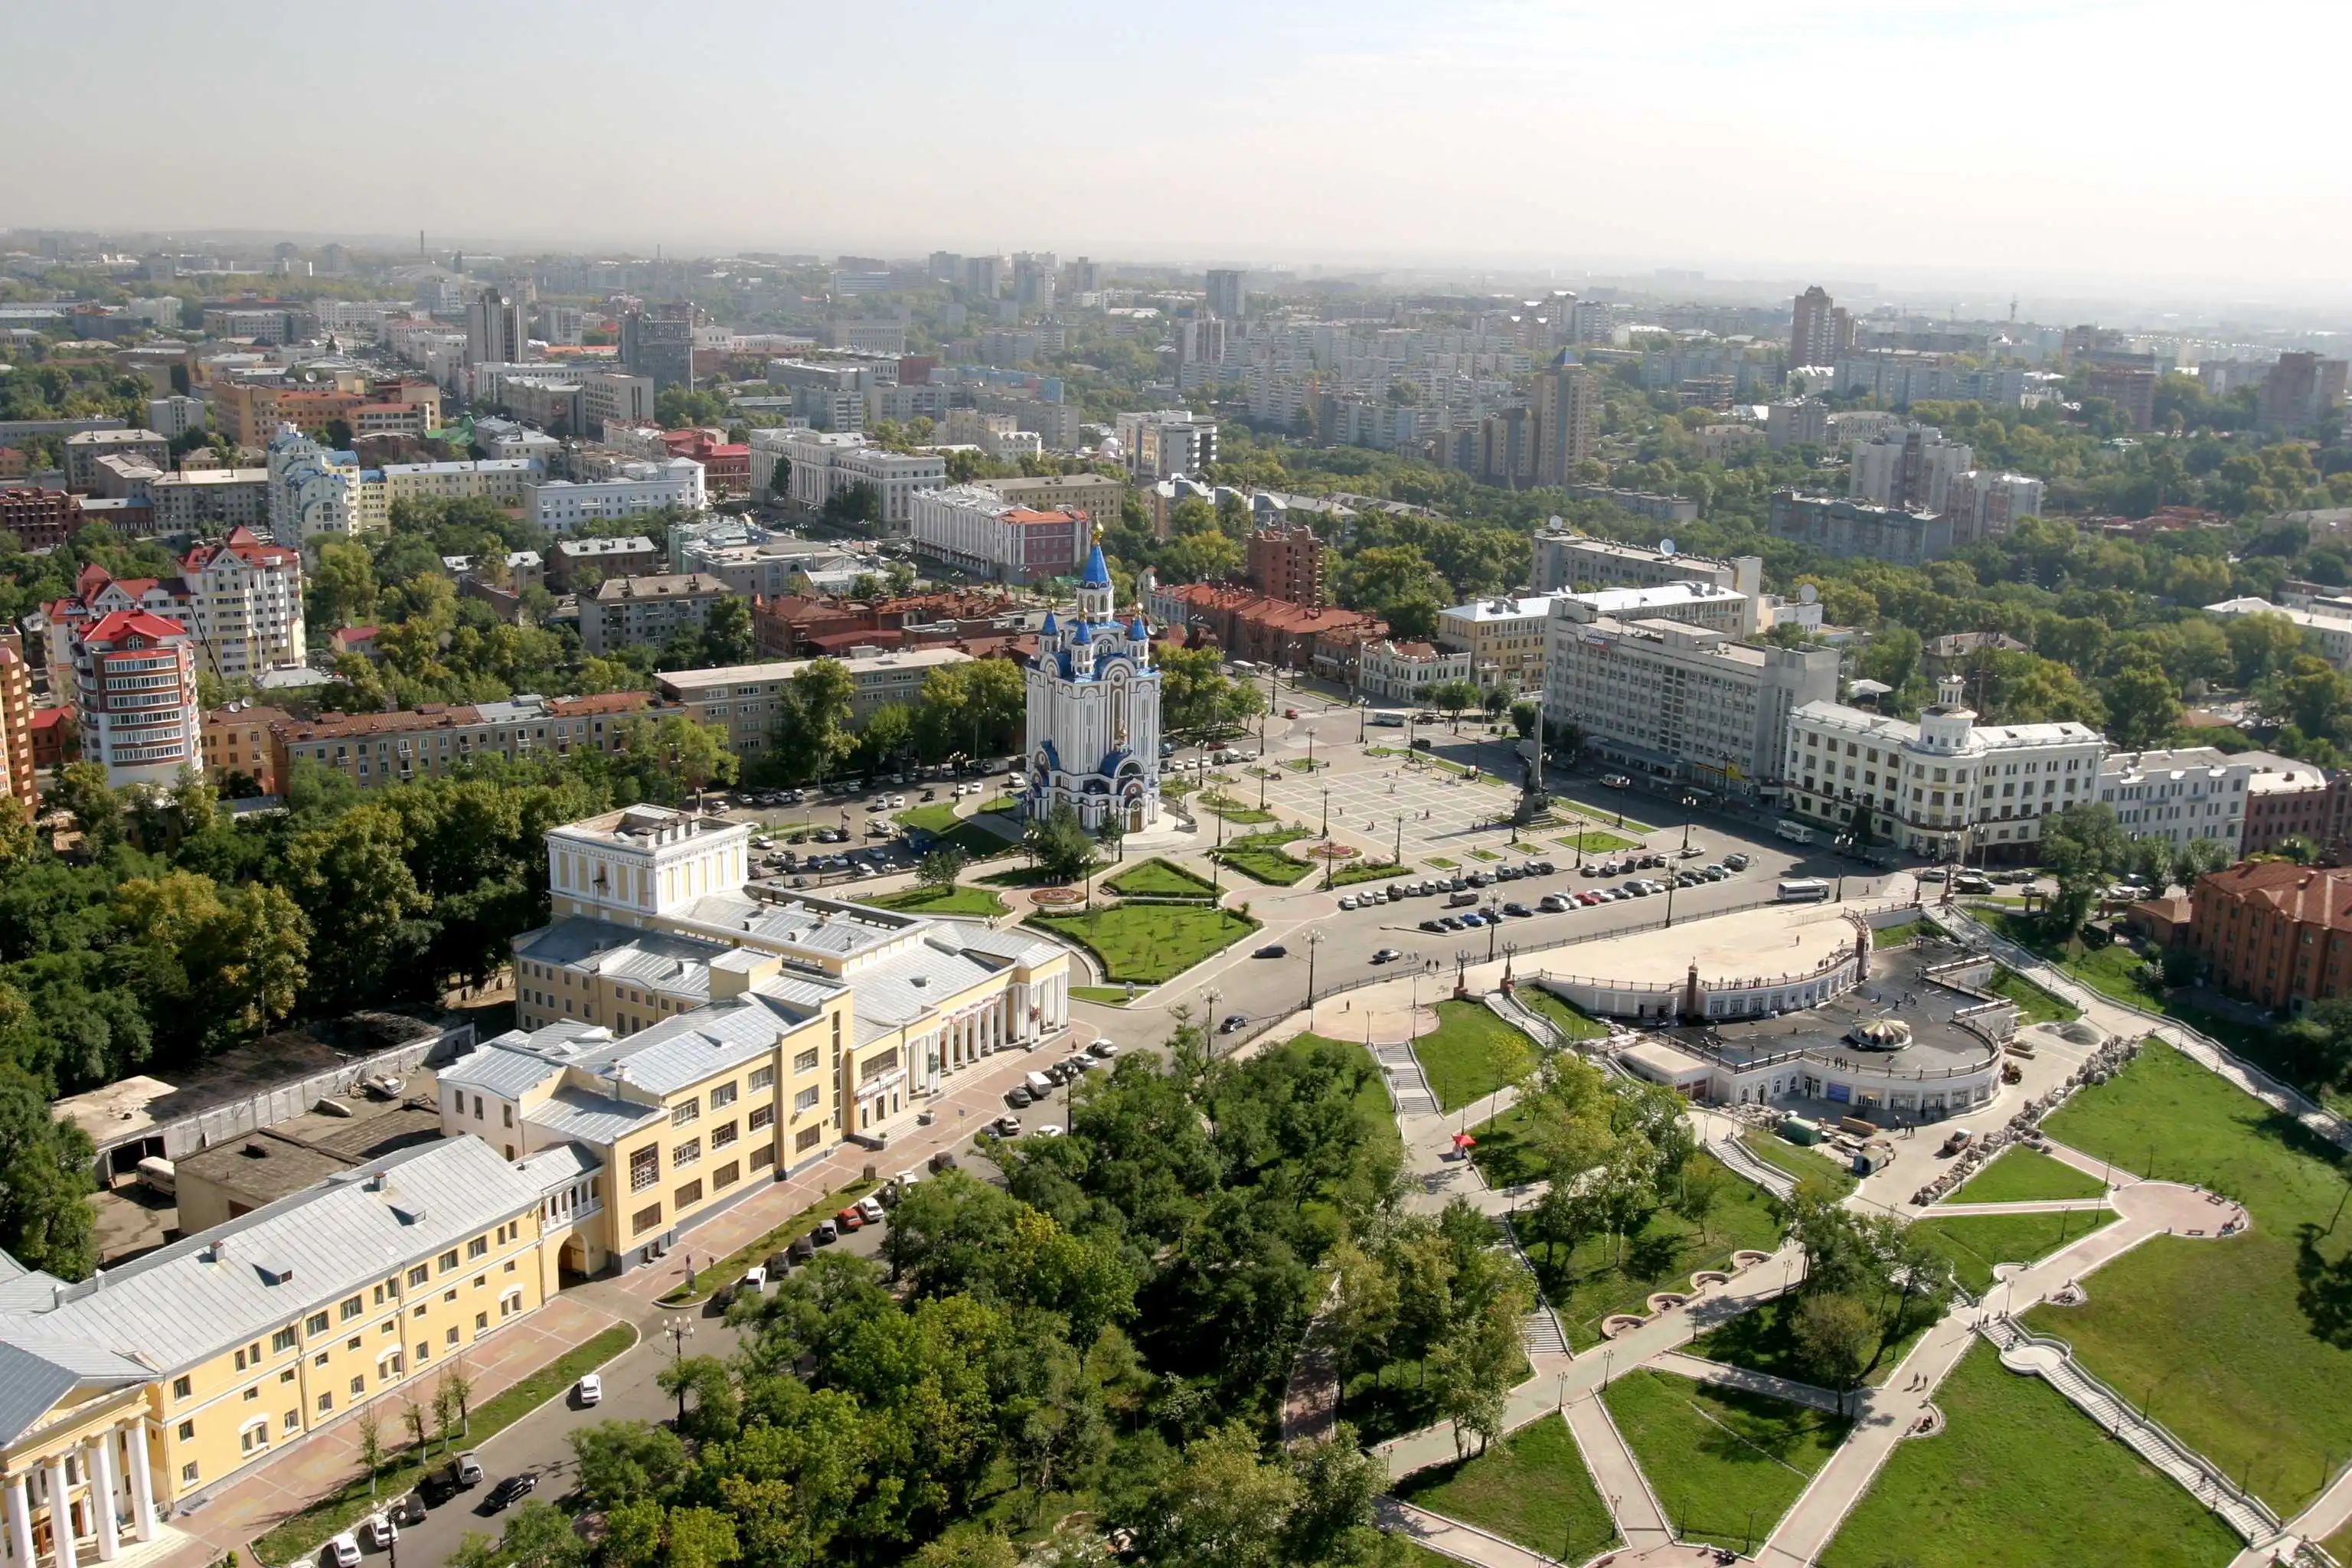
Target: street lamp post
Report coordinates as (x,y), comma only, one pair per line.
(1314,940)
(680,1331)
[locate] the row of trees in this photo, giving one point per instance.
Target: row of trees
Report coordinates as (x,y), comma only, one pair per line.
(971,710)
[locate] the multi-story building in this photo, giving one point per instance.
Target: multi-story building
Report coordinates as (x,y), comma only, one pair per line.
(615,397)
(1405,672)
(508,483)
(2130,388)
(978,531)
(660,347)
(494,329)
(374,748)
(85,447)
(2298,391)
(16,764)
(209,500)
(40,519)
(1096,497)
(1803,422)
(1912,471)
(133,675)
(1505,638)
(2273,933)
(1675,701)
(177,415)
(1565,403)
(1945,787)
(1324,641)
(241,739)
(2293,800)
(2331,634)
(245,604)
(1166,441)
(1843,527)
(1651,504)
(561,506)
(1821,330)
(1285,562)
(830,396)
(646,610)
(826,463)
(2198,792)
(150,1387)
(1982,504)
(678,1027)
(1696,604)
(747,699)
(1226,296)
(314,492)
(612,556)
(263,324)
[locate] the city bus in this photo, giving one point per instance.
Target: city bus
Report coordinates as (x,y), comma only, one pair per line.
(1803,890)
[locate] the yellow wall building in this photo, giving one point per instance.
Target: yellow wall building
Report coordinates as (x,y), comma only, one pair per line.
(133,1392)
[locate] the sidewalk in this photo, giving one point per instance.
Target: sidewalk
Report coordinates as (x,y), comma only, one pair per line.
(1624,1490)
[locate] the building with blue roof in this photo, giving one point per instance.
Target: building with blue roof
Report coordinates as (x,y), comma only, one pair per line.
(1094,711)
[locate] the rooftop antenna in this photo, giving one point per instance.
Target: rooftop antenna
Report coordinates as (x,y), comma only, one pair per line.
(420,245)
(2012,310)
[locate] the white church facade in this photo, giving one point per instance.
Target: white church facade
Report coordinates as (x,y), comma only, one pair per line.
(1093,712)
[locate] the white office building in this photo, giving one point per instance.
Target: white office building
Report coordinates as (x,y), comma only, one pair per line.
(1395,671)
(1563,559)
(1709,605)
(1946,787)
(825,462)
(559,506)
(2194,792)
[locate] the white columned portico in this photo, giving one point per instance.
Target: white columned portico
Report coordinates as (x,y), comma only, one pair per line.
(61,1527)
(20,1521)
(142,1484)
(98,1464)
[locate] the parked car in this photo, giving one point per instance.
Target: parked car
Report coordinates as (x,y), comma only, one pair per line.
(1432,925)
(1519,911)
(1018,1096)
(1616,781)
(1348,900)
(1007,1126)
(591,1390)
(1271,950)
(779,1264)
(407,1508)
(826,1233)
(379,1532)
(342,1552)
(1738,862)
(466,1469)
(513,1489)
(1048,1131)
(1105,1049)
(1553,903)
(800,1250)
(942,1161)
(1232,1021)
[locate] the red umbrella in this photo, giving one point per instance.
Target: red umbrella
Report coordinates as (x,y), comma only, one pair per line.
(1464,1140)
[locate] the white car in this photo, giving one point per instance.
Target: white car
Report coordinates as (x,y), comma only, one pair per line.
(344,1551)
(380,1530)
(1048,1131)
(592,1390)
(1346,901)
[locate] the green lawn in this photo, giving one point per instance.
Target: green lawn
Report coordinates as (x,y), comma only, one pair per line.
(303,1533)
(2244,1345)
(1975,1241)
(1232,810)
(1367,871)
(957,900)
(942,818)
(1765,1340)
(1895,936)
(1587,1284)
(2338,1545)
(2021,1478)
(1805,1165)
(1457,1056)
(1568,1020)
(2034,1005)
(2019,1175)
(1725,1463)
(1260,856)
(1595,841)
(1110,995)
(1531,1488)
(1150,942)
(1443,864)
(1485,855)
(1159,880)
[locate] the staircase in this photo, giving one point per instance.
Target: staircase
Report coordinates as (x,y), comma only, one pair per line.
(2243,1512)
(1539,1332)
(1534,1024)
(1745,1161)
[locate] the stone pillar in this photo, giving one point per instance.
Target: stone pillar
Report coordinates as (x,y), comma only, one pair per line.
(61,1528)
(20,1521)
(97,1463)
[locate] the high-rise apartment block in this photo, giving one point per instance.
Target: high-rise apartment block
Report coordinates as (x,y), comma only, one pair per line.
(1566,402)
(1285,562)
(1822,328)
(1227,298)
(1166,441)
(659,345)
(2131,388)
(1913,470)
(134,676)
(494,329)
(16,730)
(2298,391)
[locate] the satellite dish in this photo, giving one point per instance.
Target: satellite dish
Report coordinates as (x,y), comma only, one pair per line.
(1555,519)
(1666,547)
(1807,593)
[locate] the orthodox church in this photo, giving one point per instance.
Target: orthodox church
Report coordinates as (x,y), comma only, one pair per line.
(1094,712)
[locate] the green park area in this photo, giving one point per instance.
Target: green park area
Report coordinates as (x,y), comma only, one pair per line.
(950,831)
(1766,1340)
(1159,880)
(1355,871)
(2242,1346)
(1470,1054)
(1148,942)
(1975,1241)
(1530,1486)
(1259,856)
(1570,1022)
(2034,1005)
(921,900)
(1830,1176)
(1108,995)
(2020,1175)
(1724,1464)
(1898,936)
(1230,809)
(1596,841)
(2019,1478)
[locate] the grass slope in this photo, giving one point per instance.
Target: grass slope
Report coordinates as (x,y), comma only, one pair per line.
(2021,1478)
(1975,1241)
(1805,1165)
(1531,1488)
(1150,942)
(1455,1055)
(1725,1463)
(2244,1345)
(961,900)
(2018,1175)
(1765,1340)
(1566,1019)
(2034,1005)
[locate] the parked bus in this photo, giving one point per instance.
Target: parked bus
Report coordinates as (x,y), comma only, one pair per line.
(1804,890)
(1794,832)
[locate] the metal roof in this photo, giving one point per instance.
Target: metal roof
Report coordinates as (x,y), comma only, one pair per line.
(575,1113)
(189,1301)
(39,1370)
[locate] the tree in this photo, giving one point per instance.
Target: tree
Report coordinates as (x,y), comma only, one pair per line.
(1832,1331)
(701,1538)
(1494,701)
(368,1424)
(727,632)
(675,756)
(967,1545)
(540,1535)
(1451,697)
(1222,1507)
(342,587)
(779,482)
(255,959)
(2142,708)
(412,1415)
(82,793)
(1059,844)
(352,880)
(622,1462)
(2084,848)
(2200,858)
(460,1384)
(1524,714)
(814,716)
(45,1220)
(1699,1192)
(938,869)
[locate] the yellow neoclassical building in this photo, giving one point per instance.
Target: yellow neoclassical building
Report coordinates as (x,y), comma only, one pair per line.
(684,1037)
(141,1388)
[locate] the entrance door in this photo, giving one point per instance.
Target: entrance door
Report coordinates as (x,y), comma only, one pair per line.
(1135,818)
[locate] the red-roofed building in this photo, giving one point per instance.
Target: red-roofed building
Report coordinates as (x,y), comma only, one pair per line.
(135,682)
(55,740)
(726,465)
(1250,625)
(240,599)
(360,640)
(2275,932)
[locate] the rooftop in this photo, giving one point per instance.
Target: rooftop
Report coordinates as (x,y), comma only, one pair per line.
(685,682)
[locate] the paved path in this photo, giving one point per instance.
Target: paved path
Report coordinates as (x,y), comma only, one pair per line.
(2329,1512)
(1310,1399)
(1624,1490)
(1747,1381)
(2024,1205)
(1463,1543)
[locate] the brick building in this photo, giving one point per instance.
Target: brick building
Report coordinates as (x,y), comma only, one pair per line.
(374,749)
(41,520)
(1250,625)
(2295,804)
(239,738)
(2273,933)
(1286,562)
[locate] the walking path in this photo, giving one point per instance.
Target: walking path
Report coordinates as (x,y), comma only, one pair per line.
(1463,1543)
(1624,1490)
(1310,1400)
(1746,1380)
(2328,1513)
(2022,1205)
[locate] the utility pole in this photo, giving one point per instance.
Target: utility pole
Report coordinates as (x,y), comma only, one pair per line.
(1314,940)
(680,1331)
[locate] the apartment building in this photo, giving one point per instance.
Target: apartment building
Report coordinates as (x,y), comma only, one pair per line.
(746,700)
(1505,638)
(2329,631)
(133,679)
(1708,604)
(1671,700)
(561,506)
(1166,441)
(1326,641)
(1285,562)
(1803,423)
(40,519)
(2274,933)
(830,396)
(1565,405)
(1945,787)
(1564,559)
(647,610)
(85,447)
(506,482)
(1909,470)
(177,414)
(755,560)
(209,500)
(677,1026)
(1843,527)
(611,556)
(250,1336)
(245,604)
(1405,672)
(1097,497)
(374,749)
(2285,805)
(16,763)
(241,739)
(2132,390)
(979,532)
(1983,504)
(825,463)
(2200,791)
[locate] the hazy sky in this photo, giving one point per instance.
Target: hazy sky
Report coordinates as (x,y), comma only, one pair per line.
(2153,141)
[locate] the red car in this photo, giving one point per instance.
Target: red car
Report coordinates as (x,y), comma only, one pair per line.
(850,1219)
(1290,712)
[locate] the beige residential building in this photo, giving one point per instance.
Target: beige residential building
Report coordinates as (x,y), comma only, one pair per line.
(647,610)
(748,699)
(1097,495)
(1504,637)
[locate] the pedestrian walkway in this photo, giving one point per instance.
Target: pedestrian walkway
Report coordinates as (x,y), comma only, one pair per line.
(1310,1399)
(1408,1089)
(2329,1512)
(1747,1381)
(1624,1490)
(1451,1537)
(1742,1161)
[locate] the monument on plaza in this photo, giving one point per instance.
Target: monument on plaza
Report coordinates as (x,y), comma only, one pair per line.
(1094,711)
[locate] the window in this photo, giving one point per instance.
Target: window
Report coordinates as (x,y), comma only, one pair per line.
(326,1402)
(255,1436)
(763,1077)
(685,1111)
(806,1138)
(644,1219)
(686,1154)
(293,1420)
(645,1169)
(187,1431)
(287,1376)
(450,1338)
(319,1360)
(479,1246)
(351,1344)
(762,1154)
(763,1116)
(316,1323)
(508,1113)
(353,1308)
(727,1176)
(188,1473)
(182,1388)
(418,1274)
(240,1361)
(805,1061)
(448,1260)
(283,1339)
(253,1394)
(722,1135)
(691,1193)
(722,1096)
(806,1100)
(481,1321)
